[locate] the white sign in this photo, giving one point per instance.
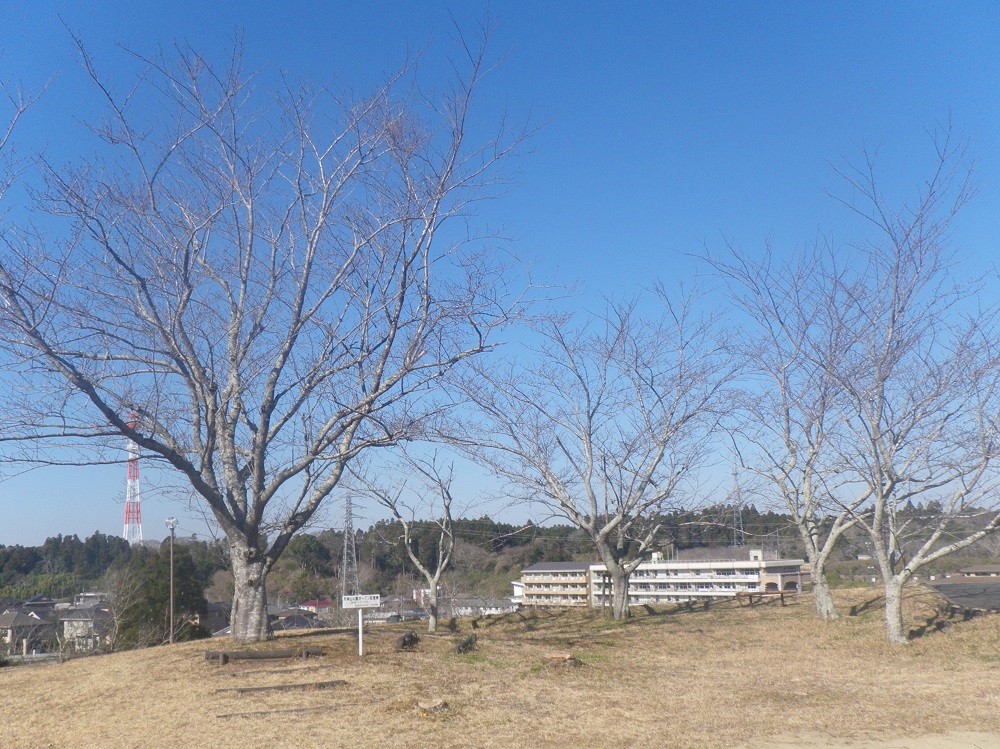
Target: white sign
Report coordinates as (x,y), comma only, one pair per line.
(361,602)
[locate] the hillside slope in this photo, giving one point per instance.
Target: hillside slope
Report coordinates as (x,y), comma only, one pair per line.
(732,675)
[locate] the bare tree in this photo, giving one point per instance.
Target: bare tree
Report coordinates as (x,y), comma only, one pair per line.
(874,386)
(604,424)
(14,103)
(920,376)
(786,430)
(256,287)
(430,502)
(124,589)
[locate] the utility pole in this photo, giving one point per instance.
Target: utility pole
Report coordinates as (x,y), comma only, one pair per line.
(171,524)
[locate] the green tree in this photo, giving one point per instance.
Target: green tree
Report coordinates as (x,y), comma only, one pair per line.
(147,618)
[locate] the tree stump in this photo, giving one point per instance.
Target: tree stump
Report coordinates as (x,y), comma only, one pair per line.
(429,707)
(564,660)
(409,641)
(467,645)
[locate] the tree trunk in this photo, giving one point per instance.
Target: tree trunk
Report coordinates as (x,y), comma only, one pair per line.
(821,590)
(619,593)
(432,609)
(249,618)
(894,631)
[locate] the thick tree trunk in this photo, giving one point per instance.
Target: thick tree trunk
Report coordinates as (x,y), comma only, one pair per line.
(821,591)
(817,556)
(619,594)
(249,618)
(894,631)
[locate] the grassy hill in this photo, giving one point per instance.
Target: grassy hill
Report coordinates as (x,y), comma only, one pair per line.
(724,677)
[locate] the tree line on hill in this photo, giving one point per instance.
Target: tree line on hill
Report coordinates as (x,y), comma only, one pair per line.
(64,566)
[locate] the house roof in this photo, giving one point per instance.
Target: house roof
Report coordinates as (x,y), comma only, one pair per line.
(39,600)
(285,613)
(12,619)
(84,614)
(296,621)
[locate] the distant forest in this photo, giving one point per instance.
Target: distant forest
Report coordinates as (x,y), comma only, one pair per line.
(488,555)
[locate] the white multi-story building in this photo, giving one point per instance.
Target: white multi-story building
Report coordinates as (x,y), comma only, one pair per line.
(667,581)
(724,573)
(556,584)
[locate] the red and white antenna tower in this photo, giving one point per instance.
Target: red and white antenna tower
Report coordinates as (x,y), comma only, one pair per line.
(133,515)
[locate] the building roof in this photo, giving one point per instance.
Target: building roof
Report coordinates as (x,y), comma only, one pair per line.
(719,554)
(39,600)
(284,613)
(84,614)
(558,567)
(12,619)
(466,599)
(296,621)
(981,569)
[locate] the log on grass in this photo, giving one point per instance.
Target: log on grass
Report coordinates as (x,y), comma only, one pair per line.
(314,685)
(260,713)
(224,656)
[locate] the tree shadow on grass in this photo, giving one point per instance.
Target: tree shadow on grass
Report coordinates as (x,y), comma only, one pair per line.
(944,618)
(528,618)
(872,604)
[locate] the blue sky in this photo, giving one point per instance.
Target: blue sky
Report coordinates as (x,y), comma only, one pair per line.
(667,129)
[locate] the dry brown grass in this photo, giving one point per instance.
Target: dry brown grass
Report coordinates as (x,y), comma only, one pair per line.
(717,678)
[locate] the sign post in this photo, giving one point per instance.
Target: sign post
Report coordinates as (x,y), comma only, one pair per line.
(360,603)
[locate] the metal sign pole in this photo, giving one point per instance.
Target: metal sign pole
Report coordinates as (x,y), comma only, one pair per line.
(361,633)
(361,602)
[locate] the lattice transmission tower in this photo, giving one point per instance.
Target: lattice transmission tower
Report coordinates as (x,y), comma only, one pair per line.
(736,497)
(133,512)
(349,584)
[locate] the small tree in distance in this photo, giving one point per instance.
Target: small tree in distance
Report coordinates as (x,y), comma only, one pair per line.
(431,496)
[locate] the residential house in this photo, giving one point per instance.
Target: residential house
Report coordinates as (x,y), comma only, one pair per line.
(216,616)
(471,605)
(317,607)
(86,627)
(22,633)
